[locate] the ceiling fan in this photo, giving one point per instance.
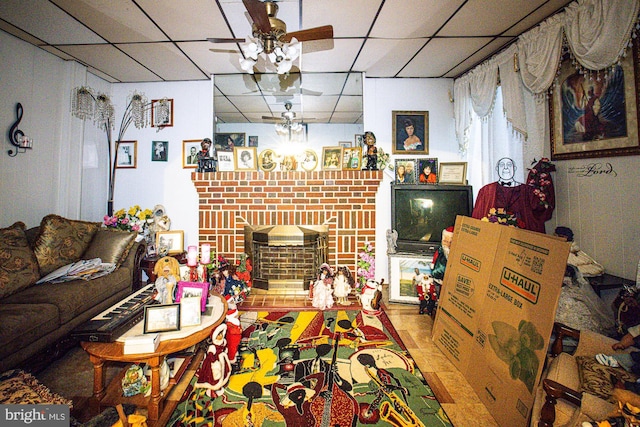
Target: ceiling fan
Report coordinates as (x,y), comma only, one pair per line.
(286,124)
(271,36)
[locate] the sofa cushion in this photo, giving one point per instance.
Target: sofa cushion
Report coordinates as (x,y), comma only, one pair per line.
(22,324)
(18,264)
(110,246)
(75,297)
(596,378)
(62,241)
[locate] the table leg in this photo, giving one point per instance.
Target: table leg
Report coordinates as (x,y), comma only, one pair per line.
(98,383)
(155,402)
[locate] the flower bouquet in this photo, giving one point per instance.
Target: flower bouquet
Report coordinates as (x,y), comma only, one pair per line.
(366,266)
(540,178)
(134,219)
(503,217)
(384,160)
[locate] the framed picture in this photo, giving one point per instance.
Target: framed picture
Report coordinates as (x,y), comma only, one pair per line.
(228,141)
(193,289)
(453,173)
(288,163)
(345,144)
(405,171)
(246,158)
(190,311)
(159,151)
(351,158)
(173,240)
(127,155)
(190,148)
(404,271)
(161,117)
(595,115)
(161,318)
(331,158)
(410,132)
(359,140)
(253,141)
(267,160)
(309,160)
(427,171)
(225,161)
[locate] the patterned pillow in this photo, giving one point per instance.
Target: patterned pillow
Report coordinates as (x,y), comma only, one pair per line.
(62,241)
(596,378)
(110,245)
(18,264)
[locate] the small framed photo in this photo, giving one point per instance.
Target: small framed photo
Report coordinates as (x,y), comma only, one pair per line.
(225,161)
(405,171)
(331,158)
(288,163)
(453,173)
(193,289)
(190,148)
(410,132)
(309,160)
(351,158)
(228,141)
(159,151)
(359,140)
(345,144)
(162,112)
(190,313)
(253,141)
(267,160)
(127,153)
(173,240)
(405,271)
(427,171)
(246,159)
(161,318)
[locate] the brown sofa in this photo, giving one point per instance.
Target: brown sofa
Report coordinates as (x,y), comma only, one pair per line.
(36,318)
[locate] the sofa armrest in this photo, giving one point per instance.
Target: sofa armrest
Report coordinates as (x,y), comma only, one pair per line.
(562,331)
(589,343)
(133,262)
(554,391)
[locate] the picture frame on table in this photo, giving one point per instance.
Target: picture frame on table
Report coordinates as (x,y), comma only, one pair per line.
(225,161)
(172,239)
(427,171)
(228,141)
(410,132)
(190,148)
(453,173)
(245,159)
(193,289)
(267,160)
(158,117)
(127,155)
(331,158)
(596,114)
(405,171)
(190,312)
(402,287)
(351,158)
(161,318)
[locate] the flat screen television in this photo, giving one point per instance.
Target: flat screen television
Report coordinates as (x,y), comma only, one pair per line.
(420,212)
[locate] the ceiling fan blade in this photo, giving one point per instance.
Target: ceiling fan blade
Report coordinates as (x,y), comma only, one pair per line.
(224,40)
(271,118)
(258,13)
(317,33)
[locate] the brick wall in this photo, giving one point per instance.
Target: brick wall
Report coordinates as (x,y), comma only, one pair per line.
(342,200)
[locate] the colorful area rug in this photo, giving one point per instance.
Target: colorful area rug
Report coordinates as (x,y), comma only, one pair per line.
(317,368)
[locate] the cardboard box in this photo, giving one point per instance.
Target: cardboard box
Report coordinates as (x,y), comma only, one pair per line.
(138,344)
(496,311)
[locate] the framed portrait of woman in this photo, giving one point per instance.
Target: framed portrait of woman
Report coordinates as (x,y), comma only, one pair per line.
(410,132)
(246,158)
(427,171)
(331,158)
(267,160)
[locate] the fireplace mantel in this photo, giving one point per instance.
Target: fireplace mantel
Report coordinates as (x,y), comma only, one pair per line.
(345,201)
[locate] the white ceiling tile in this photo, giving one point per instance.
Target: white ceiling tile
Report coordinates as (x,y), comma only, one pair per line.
(483,53)
(164,59)
(348,20)
(401,19)
(384,58)
(339,58)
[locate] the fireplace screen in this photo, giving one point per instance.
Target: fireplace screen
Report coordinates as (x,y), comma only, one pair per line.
(287,256)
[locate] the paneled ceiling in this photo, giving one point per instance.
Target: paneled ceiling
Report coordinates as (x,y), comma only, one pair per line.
(166,40)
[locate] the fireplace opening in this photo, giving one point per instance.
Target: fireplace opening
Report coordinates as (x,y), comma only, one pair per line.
(287,256)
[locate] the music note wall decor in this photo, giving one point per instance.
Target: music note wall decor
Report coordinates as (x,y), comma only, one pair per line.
(17,138)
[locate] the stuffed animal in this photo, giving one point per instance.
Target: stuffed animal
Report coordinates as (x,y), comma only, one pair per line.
(167,270)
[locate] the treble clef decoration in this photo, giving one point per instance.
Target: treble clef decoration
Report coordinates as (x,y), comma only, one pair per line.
(16,136)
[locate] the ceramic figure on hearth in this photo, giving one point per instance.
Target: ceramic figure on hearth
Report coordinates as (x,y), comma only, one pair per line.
(167,270)
(323,288)
(215,370)
(372,151)
(342,285)
(370,297)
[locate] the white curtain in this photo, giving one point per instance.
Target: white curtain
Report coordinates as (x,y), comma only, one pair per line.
(512,91)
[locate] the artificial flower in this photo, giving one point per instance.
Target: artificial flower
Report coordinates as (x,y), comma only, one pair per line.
(134,219)
(503,217)
(366,266)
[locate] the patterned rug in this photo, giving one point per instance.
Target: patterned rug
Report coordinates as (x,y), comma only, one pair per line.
(316,368)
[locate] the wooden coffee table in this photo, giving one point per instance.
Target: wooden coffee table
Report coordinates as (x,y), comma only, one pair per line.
(170,342)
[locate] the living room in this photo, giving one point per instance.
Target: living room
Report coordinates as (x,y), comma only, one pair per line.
(65,171)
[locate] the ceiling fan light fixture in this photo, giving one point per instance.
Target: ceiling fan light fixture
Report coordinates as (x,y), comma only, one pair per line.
(247,65)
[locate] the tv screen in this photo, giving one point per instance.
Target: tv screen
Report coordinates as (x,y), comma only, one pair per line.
(420,212)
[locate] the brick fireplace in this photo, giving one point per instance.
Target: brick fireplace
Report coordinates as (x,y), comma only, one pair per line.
(234,204)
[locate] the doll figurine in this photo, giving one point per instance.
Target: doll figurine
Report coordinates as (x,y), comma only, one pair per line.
(167,270)
(323,288)
(432,293)
(370,297)
(342,285)
(215,370)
